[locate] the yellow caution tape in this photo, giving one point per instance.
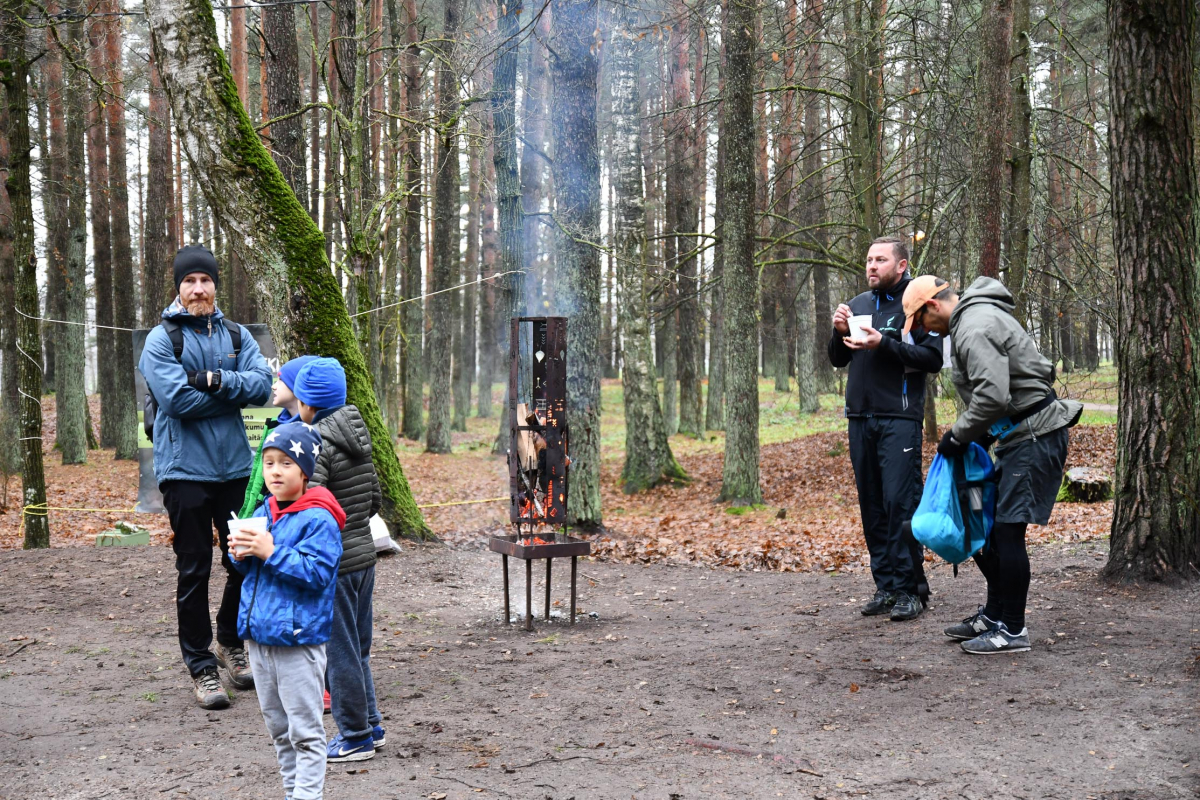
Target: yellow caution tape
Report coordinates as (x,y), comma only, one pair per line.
(464,502)
(42,510)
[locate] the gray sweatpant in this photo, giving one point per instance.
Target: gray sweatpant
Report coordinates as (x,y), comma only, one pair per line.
(290,682)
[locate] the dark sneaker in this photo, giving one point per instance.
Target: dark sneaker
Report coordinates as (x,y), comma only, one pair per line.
(341,749)
(237,663)
(881,603)
(209,691)
(971,627)
(907,606)
(378,736)
(998,640)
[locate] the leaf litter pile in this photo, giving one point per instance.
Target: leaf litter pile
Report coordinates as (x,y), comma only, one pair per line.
(808,520)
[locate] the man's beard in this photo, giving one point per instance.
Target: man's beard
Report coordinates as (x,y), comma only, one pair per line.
(200,308)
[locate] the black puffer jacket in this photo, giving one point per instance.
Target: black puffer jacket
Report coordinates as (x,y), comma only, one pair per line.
(344,468)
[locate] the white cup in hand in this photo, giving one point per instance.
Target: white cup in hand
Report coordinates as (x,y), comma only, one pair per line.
(242,529)
(858,325)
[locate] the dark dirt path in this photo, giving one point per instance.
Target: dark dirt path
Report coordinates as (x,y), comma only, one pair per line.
(690,683)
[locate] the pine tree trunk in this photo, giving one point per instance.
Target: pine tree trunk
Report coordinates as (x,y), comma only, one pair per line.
(511,298)
(281,247)
(102,267)
(71,403)
(488,344)
(123,286)
(576,173)
(740,483)
(15,76)
(466,350)
(714,412)
(445,236)
(10,398)
(411,312)
(1020,161)
(648,457)
(864,24)
(282,63)
(159,236)
(52,135)
(1156,522)
(533,137)
(991,126)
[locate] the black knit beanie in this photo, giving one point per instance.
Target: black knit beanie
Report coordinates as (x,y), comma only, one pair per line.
(195,258)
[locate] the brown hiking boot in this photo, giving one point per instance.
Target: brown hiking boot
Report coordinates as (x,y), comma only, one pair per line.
(235,660)
(209,692)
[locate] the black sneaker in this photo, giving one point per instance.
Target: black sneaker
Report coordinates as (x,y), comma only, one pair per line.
(908,606)
(997,640)
(235,660)
(209,691)
(881,603)
(971,627)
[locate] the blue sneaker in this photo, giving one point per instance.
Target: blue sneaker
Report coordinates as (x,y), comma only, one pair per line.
(378,736)
(341,749)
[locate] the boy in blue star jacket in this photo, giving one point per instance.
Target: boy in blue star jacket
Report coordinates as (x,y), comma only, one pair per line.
(286,610)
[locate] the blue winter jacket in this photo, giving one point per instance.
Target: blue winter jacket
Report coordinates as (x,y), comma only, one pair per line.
(287,600)
(200,436)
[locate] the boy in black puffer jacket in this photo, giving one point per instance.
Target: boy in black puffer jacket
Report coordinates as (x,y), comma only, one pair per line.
(344,467)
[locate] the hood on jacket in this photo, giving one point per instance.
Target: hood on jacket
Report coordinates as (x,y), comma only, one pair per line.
(345,429)
(315,497)
(984,291)
(177,312)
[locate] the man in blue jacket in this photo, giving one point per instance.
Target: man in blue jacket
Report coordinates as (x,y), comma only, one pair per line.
(202,459)
(885,404)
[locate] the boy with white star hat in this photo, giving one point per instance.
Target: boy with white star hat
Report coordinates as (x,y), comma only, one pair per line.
(286,611)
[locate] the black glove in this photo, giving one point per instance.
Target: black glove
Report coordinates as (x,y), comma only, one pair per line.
(986,441)
(951,447)
(204,381)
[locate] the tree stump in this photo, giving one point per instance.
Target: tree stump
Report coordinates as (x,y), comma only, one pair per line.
(1086,485)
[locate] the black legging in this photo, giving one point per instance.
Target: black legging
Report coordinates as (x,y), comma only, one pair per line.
(1005,565)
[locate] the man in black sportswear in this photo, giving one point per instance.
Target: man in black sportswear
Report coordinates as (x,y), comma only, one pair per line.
(885,405)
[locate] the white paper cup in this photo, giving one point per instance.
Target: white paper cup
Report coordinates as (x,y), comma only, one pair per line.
(253,525)
(857,325)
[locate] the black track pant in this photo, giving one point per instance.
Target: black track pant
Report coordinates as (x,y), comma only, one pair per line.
(1005,565)
(194,508)
(886,454)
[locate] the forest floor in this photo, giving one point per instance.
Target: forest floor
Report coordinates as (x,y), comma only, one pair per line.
(679,681)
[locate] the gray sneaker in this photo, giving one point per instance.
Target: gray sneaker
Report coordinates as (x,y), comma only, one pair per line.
(209,691)
(998,640)
(880,604)
(908,606)
(971,627)
(237,663)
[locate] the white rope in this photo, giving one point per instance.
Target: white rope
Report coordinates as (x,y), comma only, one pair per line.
(68,322)
(439,291)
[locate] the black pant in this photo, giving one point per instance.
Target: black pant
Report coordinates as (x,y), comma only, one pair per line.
(193,508)
(886,454)
(1005,565)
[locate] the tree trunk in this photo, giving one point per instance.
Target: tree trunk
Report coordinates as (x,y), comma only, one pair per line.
(533,136)
(72,346)
(991,127)
(10,398)
(465,354)
(864,26)
(714,412)
(740,483)
(1156,522)
(411,312)
(508,186)
(445,236)
(15,76)
(281,247)
(648,457)
(125,443)
(314,122)
(159,237)
(573,70)
(52,146)
(102,268)
(488,344)
(1020,161)
(281,60)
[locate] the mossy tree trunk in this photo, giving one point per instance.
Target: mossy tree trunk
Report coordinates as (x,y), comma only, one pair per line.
(648,457)
(281,247)
(740,482)
(15,77)
(573,68)
(1156,521)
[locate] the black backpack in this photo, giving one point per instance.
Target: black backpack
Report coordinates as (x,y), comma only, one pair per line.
(175,334)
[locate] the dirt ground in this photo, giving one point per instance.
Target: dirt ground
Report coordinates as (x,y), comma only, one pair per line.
(680,681)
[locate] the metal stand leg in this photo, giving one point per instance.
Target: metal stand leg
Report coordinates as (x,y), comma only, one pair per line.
(573,565)
(507,616)
(528,594)
(548,560)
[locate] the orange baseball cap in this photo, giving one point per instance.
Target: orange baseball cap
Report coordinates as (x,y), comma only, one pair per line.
(919,290)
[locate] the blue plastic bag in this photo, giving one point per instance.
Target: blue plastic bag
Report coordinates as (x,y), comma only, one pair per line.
(958,506)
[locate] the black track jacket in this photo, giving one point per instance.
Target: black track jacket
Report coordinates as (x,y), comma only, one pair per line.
(888,381)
